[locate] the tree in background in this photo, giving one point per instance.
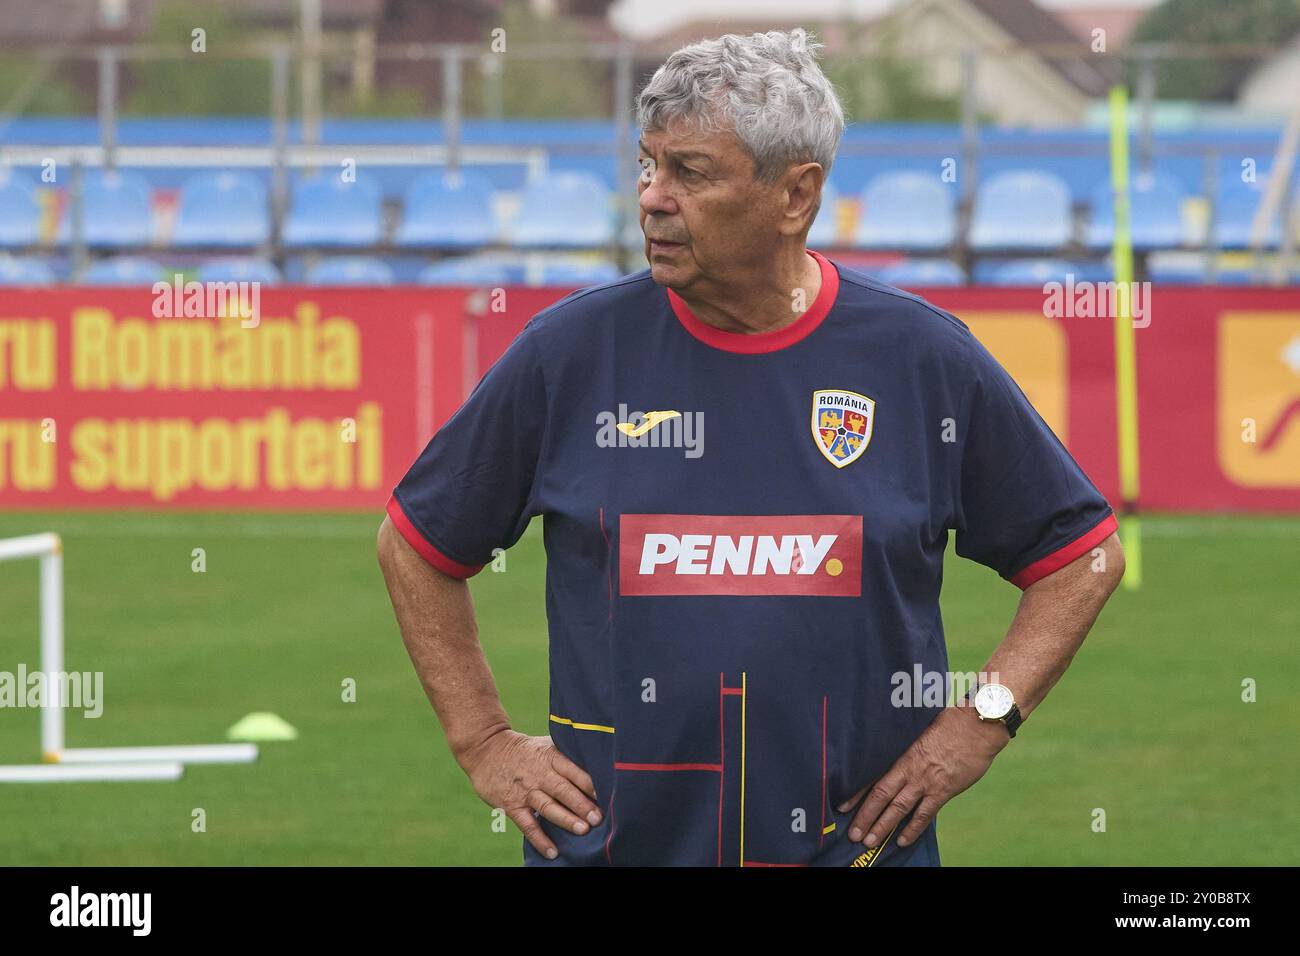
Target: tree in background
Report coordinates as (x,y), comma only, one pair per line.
(207,83)
(1270,22)
(554,87)
(36,86)
(876,82)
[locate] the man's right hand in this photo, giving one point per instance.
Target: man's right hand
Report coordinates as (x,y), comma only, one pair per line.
(523,775)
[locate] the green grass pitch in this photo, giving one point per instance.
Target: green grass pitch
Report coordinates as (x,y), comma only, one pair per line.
(1147,725)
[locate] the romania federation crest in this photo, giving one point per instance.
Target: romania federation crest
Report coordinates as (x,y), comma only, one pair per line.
(841,424)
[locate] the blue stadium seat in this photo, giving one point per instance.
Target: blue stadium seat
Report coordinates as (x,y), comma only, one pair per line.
(1022,210)
(20,211)
(448,210)
(123,270)
(351,270)
(920,273)
(907,210)
(1156,217)
(564,210)
(633,238)
(325,211)
(822,233)
(1035,272)
(578,273)
(21,270)
(240,269)
(1234,210)
(473,270)
(226,209)
(1190,269)
(116,212)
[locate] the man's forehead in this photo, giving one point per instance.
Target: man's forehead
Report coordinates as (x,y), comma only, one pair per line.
(683,140)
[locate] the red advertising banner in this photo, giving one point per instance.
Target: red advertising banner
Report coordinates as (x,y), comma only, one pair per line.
(327,398)
(1218,373)
(320,402)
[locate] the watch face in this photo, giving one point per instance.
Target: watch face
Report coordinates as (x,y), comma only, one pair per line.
(993,701)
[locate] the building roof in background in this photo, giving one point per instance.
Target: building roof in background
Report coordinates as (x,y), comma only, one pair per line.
(28,22)
(334,13)
(1032,25)
(1118,22)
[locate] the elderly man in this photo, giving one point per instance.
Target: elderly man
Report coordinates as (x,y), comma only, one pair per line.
(730,619)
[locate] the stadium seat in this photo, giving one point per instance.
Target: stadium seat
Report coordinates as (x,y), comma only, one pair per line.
(633,238)
(1234,211)
(1034,272)
(240,269)
(564,210)
(1021,210)
(123,270)
(1156,214)
(351,270)
(226,209)
(21,270)
(907,210)
(473,270)
(20,211)
(919,273)
(116,210)
(326,211)
(1192,269)
(448,210)
(823,233)
(577,273)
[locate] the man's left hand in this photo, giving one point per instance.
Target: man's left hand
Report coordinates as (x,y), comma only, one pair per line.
(953,752)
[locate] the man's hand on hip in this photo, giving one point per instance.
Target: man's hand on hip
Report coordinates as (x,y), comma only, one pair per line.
(952,753)
(522,774)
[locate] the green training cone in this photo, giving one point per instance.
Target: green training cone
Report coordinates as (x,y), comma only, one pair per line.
(262,726)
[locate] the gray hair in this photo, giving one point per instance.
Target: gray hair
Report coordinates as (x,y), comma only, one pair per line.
(767,88)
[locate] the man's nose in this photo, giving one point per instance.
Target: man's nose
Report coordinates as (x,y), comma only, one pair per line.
(655,199)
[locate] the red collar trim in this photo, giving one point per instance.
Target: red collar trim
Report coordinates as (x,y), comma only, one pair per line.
(758,342)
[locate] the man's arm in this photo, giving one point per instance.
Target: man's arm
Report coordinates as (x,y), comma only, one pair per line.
(518,773)
(1054,617)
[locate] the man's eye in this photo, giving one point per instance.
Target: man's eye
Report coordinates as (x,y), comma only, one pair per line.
(689,173)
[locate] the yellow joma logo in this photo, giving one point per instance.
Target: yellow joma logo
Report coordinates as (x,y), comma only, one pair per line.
(867,858)
(651,420)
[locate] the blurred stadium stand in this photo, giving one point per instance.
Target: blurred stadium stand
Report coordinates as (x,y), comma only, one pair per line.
(20,210)
(123,270)
(24,270)
(351,270)
(117,211)
(328,211)
(225,209)
(907,210)
(1022,210)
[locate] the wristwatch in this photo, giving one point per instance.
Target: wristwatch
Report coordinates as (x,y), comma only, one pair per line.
(995,702)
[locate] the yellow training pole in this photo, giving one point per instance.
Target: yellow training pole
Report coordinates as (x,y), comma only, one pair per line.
(1125,347)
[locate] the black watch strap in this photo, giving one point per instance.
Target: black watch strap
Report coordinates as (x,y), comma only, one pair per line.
(1013,720)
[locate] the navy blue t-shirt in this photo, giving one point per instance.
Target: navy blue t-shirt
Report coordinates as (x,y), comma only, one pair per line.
(744,539)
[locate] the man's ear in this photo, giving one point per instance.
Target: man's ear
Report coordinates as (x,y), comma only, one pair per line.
(803,190)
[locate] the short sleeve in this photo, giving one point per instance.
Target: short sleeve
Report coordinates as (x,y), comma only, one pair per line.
(1026,507)
(471,490)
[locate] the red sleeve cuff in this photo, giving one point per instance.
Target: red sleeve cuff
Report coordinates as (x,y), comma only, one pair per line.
(1064,555)
(422,546)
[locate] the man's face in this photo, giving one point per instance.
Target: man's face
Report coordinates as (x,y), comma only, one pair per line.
(702,212)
